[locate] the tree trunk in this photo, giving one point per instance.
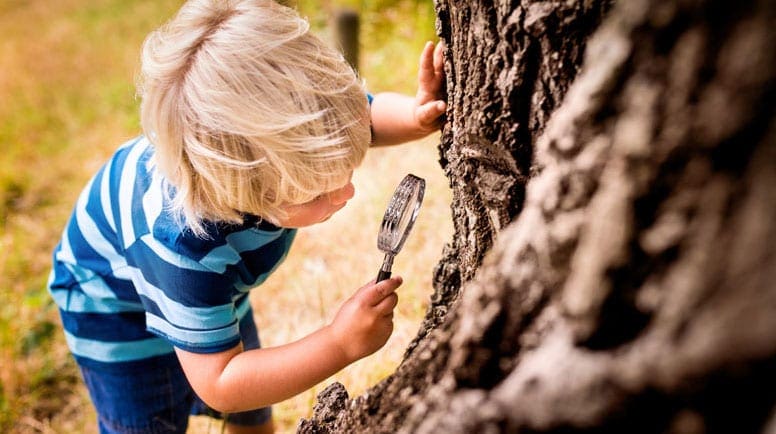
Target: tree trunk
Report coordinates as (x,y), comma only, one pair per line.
(614,257)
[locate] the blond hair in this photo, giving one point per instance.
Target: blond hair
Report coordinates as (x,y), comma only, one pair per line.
(248,111)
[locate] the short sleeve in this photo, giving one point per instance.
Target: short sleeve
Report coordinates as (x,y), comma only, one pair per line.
(187,303)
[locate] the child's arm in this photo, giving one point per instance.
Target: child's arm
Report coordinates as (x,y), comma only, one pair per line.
(399,118)
(236,380)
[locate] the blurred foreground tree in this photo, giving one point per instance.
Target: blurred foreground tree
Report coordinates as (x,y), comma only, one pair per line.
(614,261)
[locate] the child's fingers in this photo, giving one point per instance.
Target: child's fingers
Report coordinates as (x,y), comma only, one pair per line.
(426,70)
(430,74)
(429,113)
(386,305)
(375,293)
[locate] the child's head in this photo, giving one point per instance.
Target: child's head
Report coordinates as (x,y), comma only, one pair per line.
(248,111)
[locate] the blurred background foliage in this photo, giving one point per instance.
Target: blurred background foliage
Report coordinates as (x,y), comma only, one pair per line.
(67,100)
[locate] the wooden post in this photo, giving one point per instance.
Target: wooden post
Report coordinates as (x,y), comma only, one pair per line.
(346,33)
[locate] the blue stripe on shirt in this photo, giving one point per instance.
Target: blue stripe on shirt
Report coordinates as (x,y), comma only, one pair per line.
(193,338)
(100,247)
(163,253)
(114,184)
(139,190)
(130,282)
(80,290)
(196,340)
(106,327)
(258,264)
(105,199)
(195,288)
(95,208)
(74,300)
(75,248)
(236,243)
(117,351)
(167,230)
(126,194)
(184,316)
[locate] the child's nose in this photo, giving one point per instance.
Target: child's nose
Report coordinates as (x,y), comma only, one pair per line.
(343,195)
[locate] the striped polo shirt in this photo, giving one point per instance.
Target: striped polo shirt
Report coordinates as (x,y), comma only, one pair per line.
(130,283)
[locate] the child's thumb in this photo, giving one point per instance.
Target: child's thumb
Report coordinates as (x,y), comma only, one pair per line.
(428,113)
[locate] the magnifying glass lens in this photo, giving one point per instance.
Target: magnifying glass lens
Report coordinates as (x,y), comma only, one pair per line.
(406,217)
(398,219)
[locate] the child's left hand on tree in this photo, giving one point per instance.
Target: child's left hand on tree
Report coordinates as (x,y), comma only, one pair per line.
(398,118)
(430,102)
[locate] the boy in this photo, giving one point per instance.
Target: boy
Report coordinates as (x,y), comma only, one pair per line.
(252,128)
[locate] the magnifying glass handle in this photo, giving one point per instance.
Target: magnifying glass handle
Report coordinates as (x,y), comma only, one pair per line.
(385,269)
(383,275)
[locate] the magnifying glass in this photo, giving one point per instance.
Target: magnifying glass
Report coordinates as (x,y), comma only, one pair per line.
(398,220)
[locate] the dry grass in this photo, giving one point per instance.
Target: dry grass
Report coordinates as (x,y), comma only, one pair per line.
(67,100)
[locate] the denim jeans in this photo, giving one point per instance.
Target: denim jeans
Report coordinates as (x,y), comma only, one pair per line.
(149,398)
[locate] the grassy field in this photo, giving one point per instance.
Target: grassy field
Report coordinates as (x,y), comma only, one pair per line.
(67,70)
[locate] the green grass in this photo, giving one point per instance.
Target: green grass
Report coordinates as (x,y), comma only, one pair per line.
(67,99)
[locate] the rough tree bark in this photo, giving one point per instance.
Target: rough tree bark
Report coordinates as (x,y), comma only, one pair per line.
(614,258)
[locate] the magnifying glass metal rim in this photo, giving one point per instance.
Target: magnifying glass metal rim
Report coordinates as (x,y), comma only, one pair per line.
(401,198)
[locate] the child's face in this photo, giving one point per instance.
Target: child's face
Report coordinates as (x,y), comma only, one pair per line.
(319,209)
